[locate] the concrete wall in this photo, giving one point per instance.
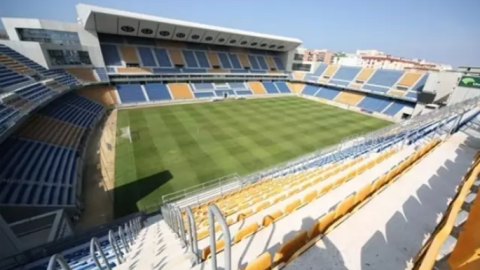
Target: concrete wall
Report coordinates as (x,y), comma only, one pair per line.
(463,93)
(10,243)
(32,50)
(88,40)
(442,83)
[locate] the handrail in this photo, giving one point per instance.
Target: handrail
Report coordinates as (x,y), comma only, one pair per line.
(192,234)
(427,256)
(128,234)
(124,241)
(115,247)
(58,258)
(94,243)
(180,229)
(214,212)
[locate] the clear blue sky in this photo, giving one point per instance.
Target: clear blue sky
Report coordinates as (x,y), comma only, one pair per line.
(446,31)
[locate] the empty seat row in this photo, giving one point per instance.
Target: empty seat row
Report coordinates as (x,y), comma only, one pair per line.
(9,77)
(120,55)
(37,162)
(294,246)
(308,196)
(75,110)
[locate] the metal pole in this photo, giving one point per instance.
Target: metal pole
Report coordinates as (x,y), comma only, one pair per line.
(115,247)
(94,243)
(181,225)
(192,234)
(58,258)
(214,212)
(124,241)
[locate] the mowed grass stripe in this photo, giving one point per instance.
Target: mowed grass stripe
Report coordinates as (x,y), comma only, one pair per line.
(177,147)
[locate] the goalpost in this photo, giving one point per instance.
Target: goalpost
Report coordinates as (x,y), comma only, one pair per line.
(124,134)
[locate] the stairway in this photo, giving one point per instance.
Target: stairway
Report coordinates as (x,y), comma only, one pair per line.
(157,248)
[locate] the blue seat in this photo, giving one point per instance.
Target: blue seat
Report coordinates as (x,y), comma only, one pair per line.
(310,90)
(253,62)
(320,69)
(237,85)
(202,59)
(234,60)
(130,93)
(194,70)
(282,87)
(204,94)
(395,107)
(413,95)
(157,91)
(190,59)
(270,88)
(224,60)
(111,55)
(243,92)
(421,83)
(163,58)
(384,77)
(279,63)
(203,86)
(221,93)
(146,56)
(327,93)
(374,103)
(346,73)
(262,62)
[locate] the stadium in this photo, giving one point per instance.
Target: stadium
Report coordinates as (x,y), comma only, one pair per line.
(130,141)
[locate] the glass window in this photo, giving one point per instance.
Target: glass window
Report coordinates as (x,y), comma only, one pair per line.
(69,57)
(301,67)
(48,36)
(298,57)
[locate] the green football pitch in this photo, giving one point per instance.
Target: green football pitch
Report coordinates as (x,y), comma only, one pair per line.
(176,147)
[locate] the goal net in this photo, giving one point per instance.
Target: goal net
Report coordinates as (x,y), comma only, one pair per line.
(124,134)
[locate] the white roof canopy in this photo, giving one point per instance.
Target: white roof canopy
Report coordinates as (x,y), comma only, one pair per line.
(111,21)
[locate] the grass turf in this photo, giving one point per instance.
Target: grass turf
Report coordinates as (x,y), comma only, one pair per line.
(175,147)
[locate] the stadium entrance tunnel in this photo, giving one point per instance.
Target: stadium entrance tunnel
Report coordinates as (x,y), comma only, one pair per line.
(126,197)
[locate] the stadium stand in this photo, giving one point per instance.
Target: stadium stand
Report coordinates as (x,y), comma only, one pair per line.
(374,103)
(180,91)
(349,98)
(327,93)
(277,218)
(169,54)
(130,93)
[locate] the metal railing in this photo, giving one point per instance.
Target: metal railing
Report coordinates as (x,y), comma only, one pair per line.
(407,130)
(190,191)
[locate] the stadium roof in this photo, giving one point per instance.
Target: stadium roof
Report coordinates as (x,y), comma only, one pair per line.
(111,21)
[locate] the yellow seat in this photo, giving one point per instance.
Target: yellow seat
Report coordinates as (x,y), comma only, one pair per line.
(310,197)
(292,206)
(264,262)
(262,206)
(279,198)
(362,194)
(272,217)
(293,192)
(245,232)
(344,206)
(285,252)
(325,189)
(219,245)
(322,224)
(339,181)
(203,233)
(307,185)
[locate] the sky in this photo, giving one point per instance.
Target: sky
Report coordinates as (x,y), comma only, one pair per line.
(444,31)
